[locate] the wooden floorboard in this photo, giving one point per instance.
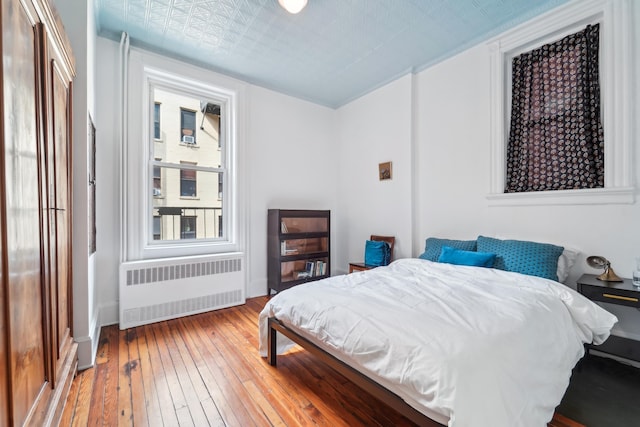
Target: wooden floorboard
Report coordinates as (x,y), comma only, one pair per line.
(205,370)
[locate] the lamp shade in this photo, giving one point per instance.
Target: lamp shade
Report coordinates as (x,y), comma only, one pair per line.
(293,6)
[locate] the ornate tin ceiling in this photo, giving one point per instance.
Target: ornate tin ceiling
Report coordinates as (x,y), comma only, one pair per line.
(330,53)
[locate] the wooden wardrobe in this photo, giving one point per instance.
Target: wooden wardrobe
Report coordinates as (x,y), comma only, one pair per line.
(38,357)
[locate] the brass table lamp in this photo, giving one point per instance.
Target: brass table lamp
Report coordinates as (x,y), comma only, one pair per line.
(601,262)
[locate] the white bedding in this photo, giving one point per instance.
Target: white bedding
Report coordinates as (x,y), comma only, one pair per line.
(474,346)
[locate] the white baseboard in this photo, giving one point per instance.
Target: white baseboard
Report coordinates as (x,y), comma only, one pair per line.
(88,345)
(257,288)
(86,354)
(109,313)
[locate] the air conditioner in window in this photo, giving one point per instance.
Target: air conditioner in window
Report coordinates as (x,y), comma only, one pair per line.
(188,139)
(157,192)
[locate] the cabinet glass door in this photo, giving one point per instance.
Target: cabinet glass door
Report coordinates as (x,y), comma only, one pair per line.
(304,246)
(304,225)
(303,269)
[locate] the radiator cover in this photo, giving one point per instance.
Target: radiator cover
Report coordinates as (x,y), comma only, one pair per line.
(162,289)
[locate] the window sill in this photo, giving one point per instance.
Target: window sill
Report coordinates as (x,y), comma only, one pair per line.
(189,198)
(184,144)
(596,196)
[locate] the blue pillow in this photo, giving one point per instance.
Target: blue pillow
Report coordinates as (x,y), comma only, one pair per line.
(534,259)
(377,253)
(451,255)
(433,247)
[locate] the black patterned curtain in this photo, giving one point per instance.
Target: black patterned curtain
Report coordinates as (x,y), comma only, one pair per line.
(556,141)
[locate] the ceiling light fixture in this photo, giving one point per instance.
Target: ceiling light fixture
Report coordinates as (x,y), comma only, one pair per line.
(293,6)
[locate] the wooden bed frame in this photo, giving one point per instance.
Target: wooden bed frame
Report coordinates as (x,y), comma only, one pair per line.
(366,383)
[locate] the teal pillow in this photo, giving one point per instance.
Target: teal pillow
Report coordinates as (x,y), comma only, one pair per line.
(377,253)
(433,247)
(520,256)
(451,255)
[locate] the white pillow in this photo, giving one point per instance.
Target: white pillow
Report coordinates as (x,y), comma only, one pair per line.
(565,262)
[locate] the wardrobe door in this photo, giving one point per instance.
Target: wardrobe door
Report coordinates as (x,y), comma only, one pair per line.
(59,175)
(21,226)
(4,379)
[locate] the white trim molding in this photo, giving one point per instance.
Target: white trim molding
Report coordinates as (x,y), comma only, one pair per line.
(616,71)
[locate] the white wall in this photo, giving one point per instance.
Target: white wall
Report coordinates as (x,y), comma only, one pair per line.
(374,129)
(80,26)
(289,148)
(108,197)
(290,165)
(452,147)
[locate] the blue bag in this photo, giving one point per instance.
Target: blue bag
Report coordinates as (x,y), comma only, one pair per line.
(377,253)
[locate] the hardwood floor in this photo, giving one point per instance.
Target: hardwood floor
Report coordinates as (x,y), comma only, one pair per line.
(205,370)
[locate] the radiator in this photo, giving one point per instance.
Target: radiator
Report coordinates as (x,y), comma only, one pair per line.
(162,289)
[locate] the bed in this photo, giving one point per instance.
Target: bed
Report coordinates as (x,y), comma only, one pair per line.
(443,344)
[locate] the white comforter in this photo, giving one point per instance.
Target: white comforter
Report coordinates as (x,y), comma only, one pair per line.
(474,346)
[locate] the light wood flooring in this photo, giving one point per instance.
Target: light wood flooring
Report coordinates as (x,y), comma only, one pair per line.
(205,370)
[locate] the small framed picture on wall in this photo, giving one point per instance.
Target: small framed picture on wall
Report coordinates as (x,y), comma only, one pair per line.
(384,171)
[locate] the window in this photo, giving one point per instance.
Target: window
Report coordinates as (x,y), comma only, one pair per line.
(556,141)
(188,227)
(190,181)
(615,66)
(157,181)
(157,233)
(156,121)
(175,86)
(187,181)
(187,126)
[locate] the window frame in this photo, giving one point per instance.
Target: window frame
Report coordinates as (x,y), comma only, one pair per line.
(615,75)
(145,69)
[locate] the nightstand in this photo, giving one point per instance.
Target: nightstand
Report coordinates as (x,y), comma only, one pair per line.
(619,293)
(359,266)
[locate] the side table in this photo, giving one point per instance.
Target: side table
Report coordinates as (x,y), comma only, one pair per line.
(359,266)
(619,293)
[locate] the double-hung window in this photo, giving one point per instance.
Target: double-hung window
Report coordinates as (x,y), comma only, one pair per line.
(188,227)
(192,202)
(187,126)
(183,191)
(157,181)
(156,121)
(550,144)
(188,182)
(556,140)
